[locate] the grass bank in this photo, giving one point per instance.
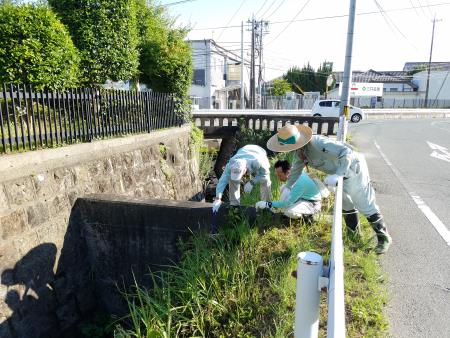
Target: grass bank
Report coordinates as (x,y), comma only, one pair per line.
(238,283)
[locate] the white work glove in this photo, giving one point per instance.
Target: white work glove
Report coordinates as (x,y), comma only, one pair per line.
(331,180)
(261,205)
(216,205)
(248,187)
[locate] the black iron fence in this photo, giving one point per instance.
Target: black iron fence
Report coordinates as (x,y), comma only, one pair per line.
(32,119)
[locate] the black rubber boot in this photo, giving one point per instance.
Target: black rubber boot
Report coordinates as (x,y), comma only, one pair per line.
(383,237)
(352,221)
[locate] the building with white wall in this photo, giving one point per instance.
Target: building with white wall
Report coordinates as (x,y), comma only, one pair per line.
(406,88)
(216,81)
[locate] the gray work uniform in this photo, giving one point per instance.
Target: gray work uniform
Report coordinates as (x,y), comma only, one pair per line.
(334,157)
(258,167)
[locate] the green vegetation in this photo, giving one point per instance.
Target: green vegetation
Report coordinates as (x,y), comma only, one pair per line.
(238,283)
(35,48)
(307,79)
(250,136)
(280,87)
(105,34)
(165,58)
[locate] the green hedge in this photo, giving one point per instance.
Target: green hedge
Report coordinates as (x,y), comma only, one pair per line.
(36,48)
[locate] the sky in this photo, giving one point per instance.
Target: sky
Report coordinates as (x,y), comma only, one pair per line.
(387,33)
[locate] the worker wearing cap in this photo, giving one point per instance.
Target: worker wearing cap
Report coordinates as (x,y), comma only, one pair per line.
(251,159)
(337,159)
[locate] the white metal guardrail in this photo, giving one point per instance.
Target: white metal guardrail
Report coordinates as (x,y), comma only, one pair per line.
(312,276)
(336,306)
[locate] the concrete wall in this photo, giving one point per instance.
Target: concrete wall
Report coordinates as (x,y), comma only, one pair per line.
(114,242)
(37,192)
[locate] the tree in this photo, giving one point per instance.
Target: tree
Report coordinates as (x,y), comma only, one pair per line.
(166,60)
(308,79)
(105,33)
(280,87)
(325,69)
(35,48)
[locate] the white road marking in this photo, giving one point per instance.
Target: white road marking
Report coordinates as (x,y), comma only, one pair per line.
(439,152)
(440,227)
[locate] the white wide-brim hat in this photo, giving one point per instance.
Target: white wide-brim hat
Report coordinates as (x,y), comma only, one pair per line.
(290,137)
(237,169)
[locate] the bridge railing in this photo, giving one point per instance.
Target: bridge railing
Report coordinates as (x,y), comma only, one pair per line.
(219,123)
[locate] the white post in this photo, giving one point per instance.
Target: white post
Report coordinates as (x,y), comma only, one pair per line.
(309,269)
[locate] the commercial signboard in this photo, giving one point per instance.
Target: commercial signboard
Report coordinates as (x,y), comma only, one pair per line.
(364,89)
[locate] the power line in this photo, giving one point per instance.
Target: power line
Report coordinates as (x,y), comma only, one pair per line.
(232,17)
(290,22)
(415,10)
(268,8)
(276,9)
(390,22)
(176,3)
(332,16)
(260,8)
(423,11)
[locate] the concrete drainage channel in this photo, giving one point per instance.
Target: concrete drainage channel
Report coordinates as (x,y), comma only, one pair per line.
(111,241)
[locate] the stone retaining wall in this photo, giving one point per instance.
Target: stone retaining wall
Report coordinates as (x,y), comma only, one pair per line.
(37,192)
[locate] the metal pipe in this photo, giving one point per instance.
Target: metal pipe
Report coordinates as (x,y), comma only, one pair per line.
(307,300)
(336,305)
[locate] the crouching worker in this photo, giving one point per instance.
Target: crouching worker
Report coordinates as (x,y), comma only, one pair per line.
(250,159)
(338,160)
(302,200)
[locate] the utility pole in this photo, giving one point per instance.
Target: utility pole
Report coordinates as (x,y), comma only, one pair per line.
(263,29)
(429,65)
(258,29)
(252,65)
(345,96)
(242,66)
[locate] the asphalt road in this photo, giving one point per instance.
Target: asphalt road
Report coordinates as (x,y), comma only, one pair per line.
(413,192)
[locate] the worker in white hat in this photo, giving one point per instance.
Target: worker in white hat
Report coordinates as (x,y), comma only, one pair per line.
(337,159)
(250,159)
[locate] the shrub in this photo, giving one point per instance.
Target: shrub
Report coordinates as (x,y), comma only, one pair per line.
(165,60)
(105,33)
(35,48)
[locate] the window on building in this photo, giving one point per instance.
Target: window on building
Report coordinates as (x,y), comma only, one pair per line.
(199,77)
(393,89)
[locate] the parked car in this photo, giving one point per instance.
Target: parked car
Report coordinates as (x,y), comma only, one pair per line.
(330,108)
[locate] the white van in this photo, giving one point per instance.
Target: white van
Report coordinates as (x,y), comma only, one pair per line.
(330,108)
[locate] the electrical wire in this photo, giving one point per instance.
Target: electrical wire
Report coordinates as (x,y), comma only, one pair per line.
(232,17)
(259,10)
(276,9)
(415,9)
(290,22)
(423,11)
(268,8)
(390,22)
(331,16)
(176,3)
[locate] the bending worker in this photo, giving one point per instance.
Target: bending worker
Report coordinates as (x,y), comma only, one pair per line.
(251,159)
(303,200)
(337,159)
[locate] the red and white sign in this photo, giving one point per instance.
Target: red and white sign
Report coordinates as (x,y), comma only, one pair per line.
(364,89)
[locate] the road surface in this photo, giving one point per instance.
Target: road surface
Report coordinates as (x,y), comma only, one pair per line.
(409,163)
